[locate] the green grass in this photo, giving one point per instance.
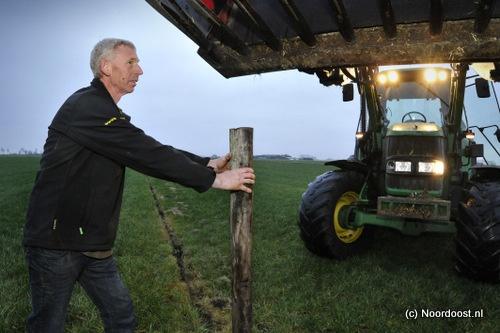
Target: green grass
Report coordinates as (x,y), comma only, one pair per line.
(142,249)
(293,290)
(16,179)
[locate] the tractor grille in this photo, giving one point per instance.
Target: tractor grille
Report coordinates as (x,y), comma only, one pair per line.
(414,149)
(409,182)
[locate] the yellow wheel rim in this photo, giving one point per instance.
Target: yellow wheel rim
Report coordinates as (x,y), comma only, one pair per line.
(345,235)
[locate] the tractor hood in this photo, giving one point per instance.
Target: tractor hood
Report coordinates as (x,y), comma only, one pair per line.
(241,37)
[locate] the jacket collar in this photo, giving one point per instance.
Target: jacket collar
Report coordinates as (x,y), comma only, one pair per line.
(99,86)
(101,89)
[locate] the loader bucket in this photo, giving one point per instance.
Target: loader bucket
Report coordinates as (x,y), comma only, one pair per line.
(241,37)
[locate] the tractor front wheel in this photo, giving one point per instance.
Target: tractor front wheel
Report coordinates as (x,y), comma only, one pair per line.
(478,233)
(319,216)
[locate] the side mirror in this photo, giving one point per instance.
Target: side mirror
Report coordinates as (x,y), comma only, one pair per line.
(347,92)
(497,133)
(482,88)
(474,150)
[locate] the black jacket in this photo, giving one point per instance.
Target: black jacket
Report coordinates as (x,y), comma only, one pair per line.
(76,199)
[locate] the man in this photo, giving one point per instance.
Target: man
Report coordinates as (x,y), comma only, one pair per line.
(73,212)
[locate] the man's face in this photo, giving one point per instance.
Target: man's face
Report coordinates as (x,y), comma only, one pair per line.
(123,69)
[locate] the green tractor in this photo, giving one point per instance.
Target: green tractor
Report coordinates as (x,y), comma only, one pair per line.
(415,169)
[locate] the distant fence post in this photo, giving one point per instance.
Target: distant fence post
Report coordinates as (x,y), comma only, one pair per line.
(241,148)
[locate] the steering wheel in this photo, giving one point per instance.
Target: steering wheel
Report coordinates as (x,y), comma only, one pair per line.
(414,116)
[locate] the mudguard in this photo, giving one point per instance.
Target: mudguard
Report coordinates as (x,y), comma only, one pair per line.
(485,173)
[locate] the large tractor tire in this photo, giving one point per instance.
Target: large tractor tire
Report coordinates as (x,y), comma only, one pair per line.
(478,233)
(319,211)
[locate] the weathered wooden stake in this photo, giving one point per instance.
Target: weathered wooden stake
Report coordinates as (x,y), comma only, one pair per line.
(241,143)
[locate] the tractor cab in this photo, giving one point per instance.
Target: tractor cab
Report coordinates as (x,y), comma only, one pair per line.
(414,104)
(416,166)
(414,96)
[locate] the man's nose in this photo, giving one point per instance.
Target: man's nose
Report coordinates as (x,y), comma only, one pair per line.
(139,70)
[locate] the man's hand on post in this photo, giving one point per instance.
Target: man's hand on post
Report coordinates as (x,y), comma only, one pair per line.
(235,180)
(221,164)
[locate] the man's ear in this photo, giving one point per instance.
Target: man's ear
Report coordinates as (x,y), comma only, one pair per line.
(105,67)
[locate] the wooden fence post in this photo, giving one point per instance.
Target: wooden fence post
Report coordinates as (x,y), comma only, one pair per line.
(241,143)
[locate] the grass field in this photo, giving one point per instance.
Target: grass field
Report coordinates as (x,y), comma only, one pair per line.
(293,290)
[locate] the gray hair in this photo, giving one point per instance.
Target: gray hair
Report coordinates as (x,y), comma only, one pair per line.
(105,49)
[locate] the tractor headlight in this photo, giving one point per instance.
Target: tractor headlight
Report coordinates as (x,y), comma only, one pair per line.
(393,76)
(435,167)
(442,75)
(382,79)
(430,75)
(402,166)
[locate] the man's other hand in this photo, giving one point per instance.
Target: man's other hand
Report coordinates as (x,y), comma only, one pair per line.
(220,164)
(235,180)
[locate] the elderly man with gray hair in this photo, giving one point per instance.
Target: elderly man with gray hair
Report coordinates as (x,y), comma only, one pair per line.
(74,207)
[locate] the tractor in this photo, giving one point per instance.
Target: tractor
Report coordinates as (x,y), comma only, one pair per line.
(426,154)
(416,168)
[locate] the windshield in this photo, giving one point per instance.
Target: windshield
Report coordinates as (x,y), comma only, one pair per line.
(415,101)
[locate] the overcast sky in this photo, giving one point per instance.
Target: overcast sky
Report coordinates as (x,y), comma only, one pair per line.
(180,100)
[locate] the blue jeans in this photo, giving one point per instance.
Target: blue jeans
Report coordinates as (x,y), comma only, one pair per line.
(53,274)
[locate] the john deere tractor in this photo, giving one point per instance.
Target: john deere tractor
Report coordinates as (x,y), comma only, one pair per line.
(416,168)
(416,165)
